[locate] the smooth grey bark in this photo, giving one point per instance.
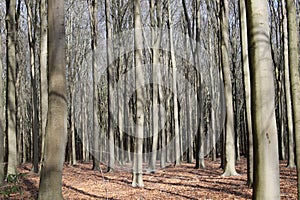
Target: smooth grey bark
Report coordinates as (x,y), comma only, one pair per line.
(56,130)
(137,172)
(265,141)
(43,72)
(2,122)
(229,165)
(35,120)
(293,42)
(174,89)
(11,86)
(156,76)
(93,11)
(110,80)
(289,112)
(247,89)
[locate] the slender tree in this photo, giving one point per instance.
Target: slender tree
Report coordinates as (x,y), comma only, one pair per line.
(266,161)
(174,88)
(295,76)
(11,86)
(110,81)
(56,130)
(156,76)
(229,127)
(34,99)
(2,122)
(43,72)
(93,8)
(247,85)
(137,176)
(287,84)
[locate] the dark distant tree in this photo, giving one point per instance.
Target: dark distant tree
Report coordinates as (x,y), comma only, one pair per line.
(93,9)
(110,81)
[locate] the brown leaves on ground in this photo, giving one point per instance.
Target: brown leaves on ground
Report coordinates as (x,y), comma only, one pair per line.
(183,182)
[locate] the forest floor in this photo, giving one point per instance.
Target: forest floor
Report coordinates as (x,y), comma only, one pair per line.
(183,182)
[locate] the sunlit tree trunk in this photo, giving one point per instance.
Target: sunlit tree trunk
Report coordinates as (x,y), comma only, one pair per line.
(137,172)
(295,77)
(229,127)
(11,86)
(266,161)
(289,113)
(2,122)
(56,130)
(156,76)
(43,72)
(247,85)
(174,89)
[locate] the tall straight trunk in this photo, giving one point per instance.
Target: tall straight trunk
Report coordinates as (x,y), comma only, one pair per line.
(247,87)
(2,123)
(295,76)
(110,77)
(200,130)
(229,127)
(137,178)
(73,128)
(43,72)
(174,89)
(266,161)
(35,120)
(156,76)
(93,9)
(289,112)
(56,130)
(11,87)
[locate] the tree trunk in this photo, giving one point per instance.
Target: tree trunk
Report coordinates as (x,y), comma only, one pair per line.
(35,120)
(56,130)
(137,179)
(229,127)
(43,73)
(290,125)
(174,90)
(11,87)
(156,76)
(266,162)
(2,123)
(295,77)
(110,80)
(247,85)
(93,9)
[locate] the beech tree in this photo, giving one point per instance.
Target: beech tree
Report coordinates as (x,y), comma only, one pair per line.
(229,168)
(266,160)
(295,76)
(2,125)
(137,172)
(56,130)
(247,86)
(11,126)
